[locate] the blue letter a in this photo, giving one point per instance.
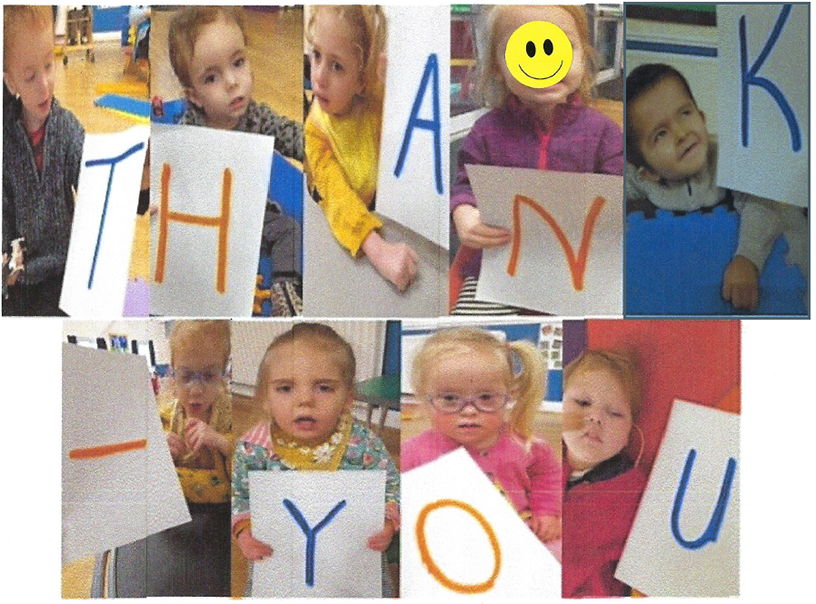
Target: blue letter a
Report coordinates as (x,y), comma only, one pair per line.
(712,531)
(434,125)
(750,77)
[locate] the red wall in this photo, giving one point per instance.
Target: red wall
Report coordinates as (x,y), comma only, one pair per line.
(696,361)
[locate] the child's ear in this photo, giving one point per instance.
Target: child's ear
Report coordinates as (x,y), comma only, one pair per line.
(646,174)
(191,96)
(7,80)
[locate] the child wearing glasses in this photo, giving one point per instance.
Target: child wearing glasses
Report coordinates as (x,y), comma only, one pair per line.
(479,402)
(198,419)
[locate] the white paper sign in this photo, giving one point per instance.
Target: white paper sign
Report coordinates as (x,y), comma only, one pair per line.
(342,509)
(685,538)
(566,255)
(764,122)
(104,220)
(118,479)
(337,285)
(412,188)
(211,188)
(462,539)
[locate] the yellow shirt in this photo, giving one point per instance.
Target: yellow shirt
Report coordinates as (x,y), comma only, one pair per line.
(342,160)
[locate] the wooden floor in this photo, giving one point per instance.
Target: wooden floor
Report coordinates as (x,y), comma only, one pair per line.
(275,50)
(76,84)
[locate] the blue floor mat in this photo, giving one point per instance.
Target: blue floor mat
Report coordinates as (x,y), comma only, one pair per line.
(675,265)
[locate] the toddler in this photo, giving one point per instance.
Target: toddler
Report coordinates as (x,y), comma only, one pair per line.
(602,487)
(198,419)
(198,425)
(343,132)
(543,128)
(42,153)
(208,52)
(673,165)
(306,390)
(467,376)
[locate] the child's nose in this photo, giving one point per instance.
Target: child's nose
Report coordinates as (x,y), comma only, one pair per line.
(319,74)
(305,397)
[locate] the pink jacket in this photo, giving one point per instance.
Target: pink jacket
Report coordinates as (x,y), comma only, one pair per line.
(530,479)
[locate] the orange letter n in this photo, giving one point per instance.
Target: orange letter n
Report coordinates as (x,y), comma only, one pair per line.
(221,222)
(576,265)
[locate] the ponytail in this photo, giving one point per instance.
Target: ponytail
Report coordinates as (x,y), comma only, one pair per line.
(527,385)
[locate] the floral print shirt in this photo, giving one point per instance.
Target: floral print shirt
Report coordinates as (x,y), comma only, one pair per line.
(365,451)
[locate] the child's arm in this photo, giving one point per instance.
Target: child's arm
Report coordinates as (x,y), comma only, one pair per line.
(470,229)
(376,457)
(609,157)
(350,220)
(758,230)
(348,216)
(241,526)
(545,492)
(288,133)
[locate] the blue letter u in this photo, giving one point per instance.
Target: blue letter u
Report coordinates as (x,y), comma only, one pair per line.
(713,529)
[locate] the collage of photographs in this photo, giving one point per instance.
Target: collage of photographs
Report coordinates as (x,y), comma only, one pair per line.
(497,256)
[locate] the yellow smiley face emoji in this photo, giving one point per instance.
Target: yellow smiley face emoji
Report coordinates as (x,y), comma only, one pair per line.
(538,54)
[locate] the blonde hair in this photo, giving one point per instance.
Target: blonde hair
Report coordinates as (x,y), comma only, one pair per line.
(622,366)
(491,89)
(186,27)
(526,386)
(186,332)
(23,17)
(313,333)
(368,27)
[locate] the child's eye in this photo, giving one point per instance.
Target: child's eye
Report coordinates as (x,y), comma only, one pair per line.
(325,388)
(337,67)
(316,55)
(582,402)
(283,388)
(239,62)
(659,136)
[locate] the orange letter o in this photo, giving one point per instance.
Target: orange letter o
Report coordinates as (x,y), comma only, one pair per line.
(435,571)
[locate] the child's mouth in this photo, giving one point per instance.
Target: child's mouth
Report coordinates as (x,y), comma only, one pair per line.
(238,103)
(305,423)
(688,150)
(469,426)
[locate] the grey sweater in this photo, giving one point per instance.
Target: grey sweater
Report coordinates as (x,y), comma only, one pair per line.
(40,207)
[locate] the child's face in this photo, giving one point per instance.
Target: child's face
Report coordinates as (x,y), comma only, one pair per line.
(221,74)
(597,418)
(539,98)
(198,363)
(31,74)
(307,393)
(468,375)
(670,131)
(336,69)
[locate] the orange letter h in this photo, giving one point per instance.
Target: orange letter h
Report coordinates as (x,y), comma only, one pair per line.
(221,222)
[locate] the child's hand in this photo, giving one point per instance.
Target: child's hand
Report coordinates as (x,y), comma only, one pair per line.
(178,448)
(252,548)
(381,541)
(546,528)
(199,434)
(741,284)
(476,234)
(396,262)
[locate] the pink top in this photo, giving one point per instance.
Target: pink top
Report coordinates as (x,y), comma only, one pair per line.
(531,480)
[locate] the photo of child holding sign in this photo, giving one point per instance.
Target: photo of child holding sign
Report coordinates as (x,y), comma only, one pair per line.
(42,151)
(673,165)
(347,46)
(210,52)
(550,128)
